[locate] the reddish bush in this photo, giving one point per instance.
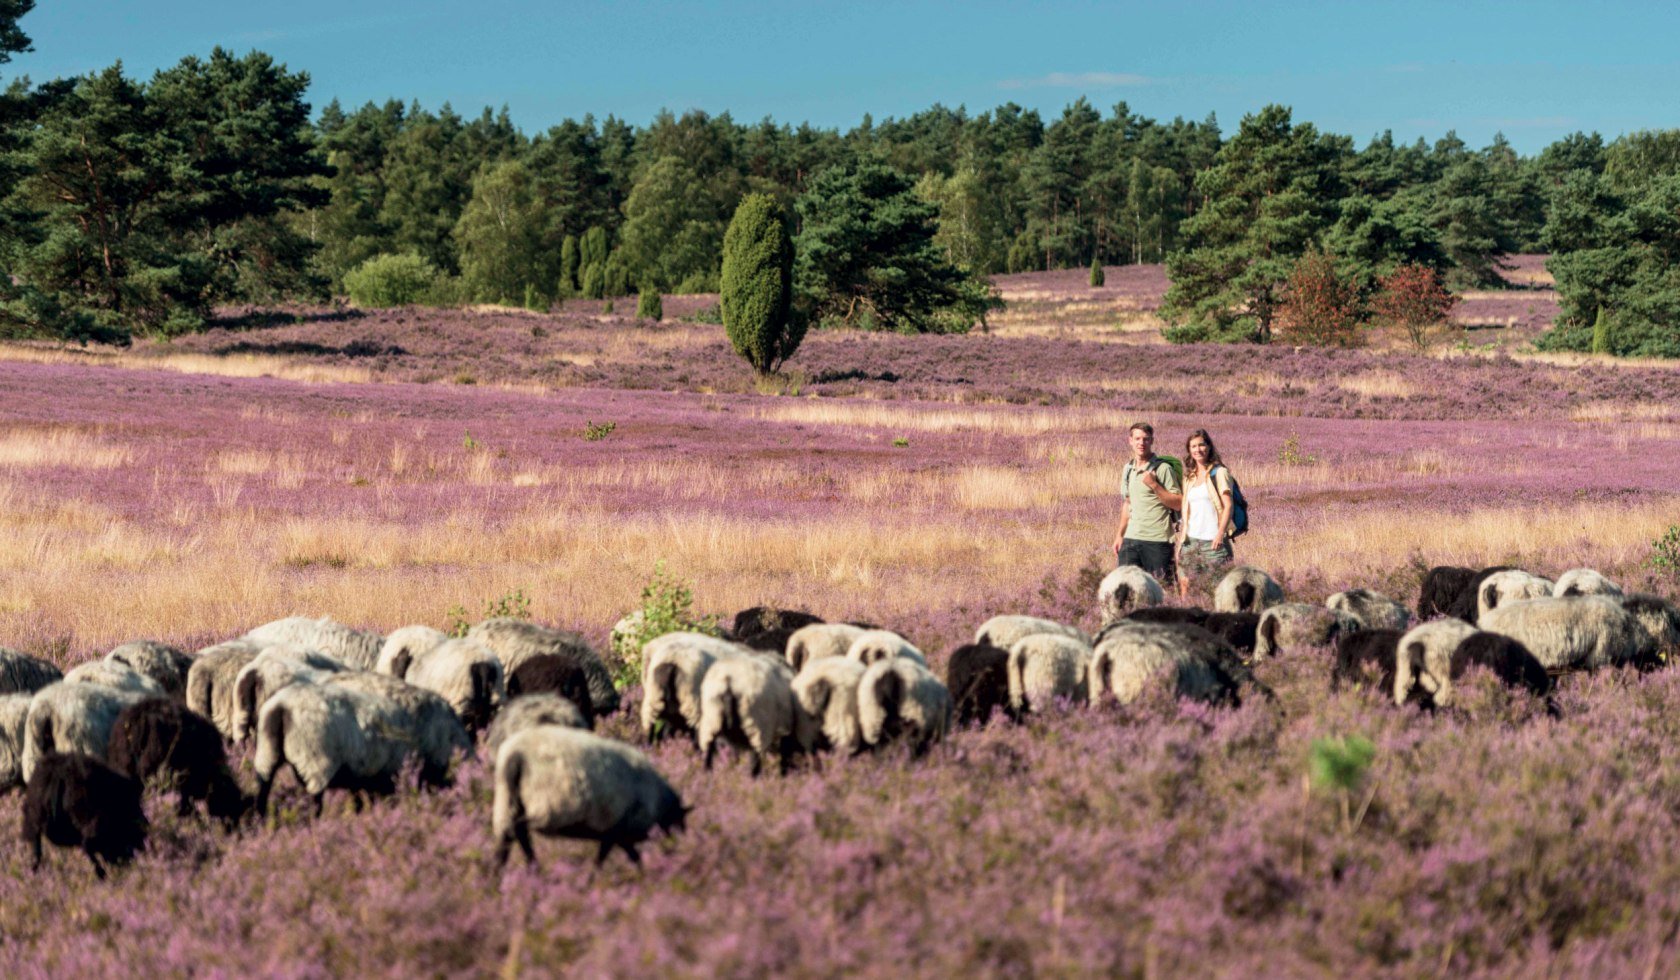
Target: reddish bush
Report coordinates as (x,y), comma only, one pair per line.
(1320,306)
(1412,297)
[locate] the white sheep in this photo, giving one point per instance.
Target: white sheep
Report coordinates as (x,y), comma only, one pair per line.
(14,712)
(568,783)
(1659,617)
(333,737)
(1423,660)
(1373,610)
(159,661)
(1246,589)
(673,666)
(1511,585)
(899,699)
(820,640)
(748,701)
(1576,633)
(466,675)
(827,692)
(211,680)
(403,644)
(269,671)
(873,646)
(1196,663)
(1299,624)
(22,674)
(1046,666)
(1121,591)
(1583,581)
(1004,631)
(515,641)
(529,711)
(357,649)
(433,728)
(73,717)
(113,674)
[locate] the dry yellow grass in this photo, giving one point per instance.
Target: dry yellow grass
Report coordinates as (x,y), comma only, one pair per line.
(231,365)
(33,447)
(1379,384)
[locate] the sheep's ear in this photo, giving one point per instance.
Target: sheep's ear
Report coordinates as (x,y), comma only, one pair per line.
(1490,596)
(399,664)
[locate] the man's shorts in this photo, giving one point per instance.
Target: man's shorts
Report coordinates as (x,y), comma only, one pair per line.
(1154,557)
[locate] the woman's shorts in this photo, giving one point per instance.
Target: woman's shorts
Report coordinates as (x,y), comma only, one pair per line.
(1199,557)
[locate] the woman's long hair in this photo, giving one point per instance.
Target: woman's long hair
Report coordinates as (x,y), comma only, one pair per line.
(1190,468)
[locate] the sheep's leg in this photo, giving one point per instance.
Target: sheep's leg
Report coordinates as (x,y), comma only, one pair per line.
(786,758)
(263,786)
(630,851)
(757,764)
(35,849)
(358,800)
(183,804)
(98,869)
(320,803)
(602,852)
(711,753)
(522,833)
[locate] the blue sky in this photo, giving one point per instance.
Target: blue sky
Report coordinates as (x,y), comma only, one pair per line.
(1536,70)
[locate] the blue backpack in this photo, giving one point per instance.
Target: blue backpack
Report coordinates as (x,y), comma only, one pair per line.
(1239,504)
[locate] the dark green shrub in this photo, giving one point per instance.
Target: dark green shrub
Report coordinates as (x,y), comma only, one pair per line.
(568,266)
(1096,273)
(615,277)
(390,280)
(594,281)
(649,305)
(757,289)
(592,249)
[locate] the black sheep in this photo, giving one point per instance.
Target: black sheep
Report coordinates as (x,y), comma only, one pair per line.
(1442,585)
(1240,629)
(22,674)
(1366,657)
(547,673)
(1464,604)
(1173,615)
(161,736)
(978,678)
(770,641)
(749,623)
(74,800)
(1509,660)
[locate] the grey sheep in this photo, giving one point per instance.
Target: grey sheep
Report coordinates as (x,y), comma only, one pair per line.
(1577,633)
(14,712)
(1197,664)
(513,641)
(1423,660)
(432,727)
(71,717)
(562,782)
(1003,631)
(267,672)
(529,711)
(211,680)
(22,674)
(673,666)
(1510,585)
(112,674)
(1299,624)
(1121,591)
(873,646)
(1659,617)
(900,700)
(1583,581)
(465,674)
(159,661)
(1246,589)
(1044,667)
(1373,610)
(748,701)
(333,737)
(827,692)
(402,645)
(355,648)
(820,640)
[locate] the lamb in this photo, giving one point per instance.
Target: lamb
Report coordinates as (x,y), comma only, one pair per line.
(529,711)
(873,646)
(547,674)
(1511,585)
(1584,581)
(827,693)
(1246,589)
(269,671)
(22,674)
(159,661)
(1200,665)
(402,645)
(561,782)
(1423,661)
(431,725)
(1577,633)
(75,800)
(113,674)
(1123,590)
(673,667)
(160,736)
(333,737)
(977,676)
(749,623)
(899,699)
(1371,610)
(514,641)
(466,675)
(1299,624)
(357,649)
(1240,629)
(1003,631)
(1044,667)
(14,712)
(1366,658)
(1509,660)
(821,640)
(1659,617)
(748,701)
(70,717)
(211,680)
(1442,586)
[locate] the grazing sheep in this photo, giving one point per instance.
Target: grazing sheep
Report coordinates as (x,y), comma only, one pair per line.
(819,641)
(356,649)
(1180,615)
(514,641)
(1240,629)
(749,623)
(748,701)
(432,727)
(873,646)
(1442,586)
(1659,617)
(1200,666)
(977,676)
(1246,589)
(529,711)
(1372,610)
(467,676)
(1044,667)
(1464,604)
(113,674)
(211,680)
(269,671)
(561,782)
(1509,660)
(333,737)
(22,674)
(827,692)
(1004,631)
(899,699)
(1584,581)
(1423,662)
(68,717)
(14,712)
(1366,658)
(1123,590)
(1299,624)
(1511,585)
(159,736)
(673,666)
(402,645)
(75,800)
(1577,633)
(547,674)
(159,661)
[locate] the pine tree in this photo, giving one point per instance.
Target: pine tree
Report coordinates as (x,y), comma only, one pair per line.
(757,294)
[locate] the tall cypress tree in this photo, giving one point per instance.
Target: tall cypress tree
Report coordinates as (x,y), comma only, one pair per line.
(757,294)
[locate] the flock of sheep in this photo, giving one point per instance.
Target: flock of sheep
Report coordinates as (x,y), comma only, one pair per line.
(348,709)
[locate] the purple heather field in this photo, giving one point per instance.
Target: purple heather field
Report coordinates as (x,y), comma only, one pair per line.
(1166,839)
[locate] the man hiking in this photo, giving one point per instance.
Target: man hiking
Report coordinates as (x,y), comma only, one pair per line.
(1150,494)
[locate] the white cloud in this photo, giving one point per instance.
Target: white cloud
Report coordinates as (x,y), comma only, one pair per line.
(1083,79)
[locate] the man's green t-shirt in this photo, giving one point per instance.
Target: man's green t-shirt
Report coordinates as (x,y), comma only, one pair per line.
(1150,520)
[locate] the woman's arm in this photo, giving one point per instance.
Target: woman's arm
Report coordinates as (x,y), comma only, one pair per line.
(1226,507)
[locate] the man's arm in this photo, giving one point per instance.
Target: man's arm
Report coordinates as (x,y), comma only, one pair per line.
(1168,499)
(1125,518)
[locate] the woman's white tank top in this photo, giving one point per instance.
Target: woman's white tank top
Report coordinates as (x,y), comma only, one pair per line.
(1202,518)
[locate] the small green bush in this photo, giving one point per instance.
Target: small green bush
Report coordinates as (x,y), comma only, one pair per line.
(667,607)
(1665,552)
(594,281)
(1096,274)
(515,604)
(390,280)
(649,305)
